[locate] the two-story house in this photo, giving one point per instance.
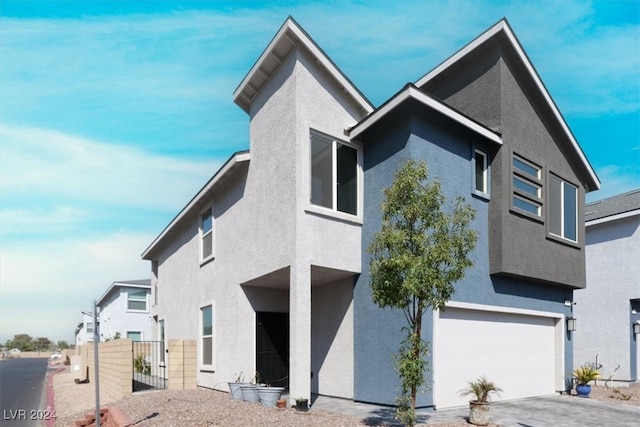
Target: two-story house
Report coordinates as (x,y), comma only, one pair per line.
(124,311)
(608,310)
(266,266)
(84,330)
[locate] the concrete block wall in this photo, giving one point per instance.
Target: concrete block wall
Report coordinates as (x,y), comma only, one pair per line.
(182,364)
(116,366)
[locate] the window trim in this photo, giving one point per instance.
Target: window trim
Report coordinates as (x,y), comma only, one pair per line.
(162,337)
(146,301)
(210,257)
(334,212)
(561,237)
(136,332)
(201,365)
(516,193)
(486,194)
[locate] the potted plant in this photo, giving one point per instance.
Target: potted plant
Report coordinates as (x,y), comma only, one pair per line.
(269,395)
(302,404)
(250,391)
(583,375)
(234,387)
(479,407)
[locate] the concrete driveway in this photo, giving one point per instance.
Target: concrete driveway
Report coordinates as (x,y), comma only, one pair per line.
(556,411)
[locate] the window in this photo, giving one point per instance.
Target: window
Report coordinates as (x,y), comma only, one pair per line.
(207,335)
(137,300)
(89,326)
(161,339)
(563,208)
(334,174)
(134,335)
(481,172)
(526,183)
(206,232)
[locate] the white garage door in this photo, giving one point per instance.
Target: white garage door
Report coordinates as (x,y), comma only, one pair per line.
(517,352)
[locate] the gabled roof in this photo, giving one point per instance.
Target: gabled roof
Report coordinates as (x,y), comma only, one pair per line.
(289,36)
(410,92)
(142,284)
(502,28)
(612,208)
(229,165)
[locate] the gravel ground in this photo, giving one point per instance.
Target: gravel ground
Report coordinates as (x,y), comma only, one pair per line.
(204,407)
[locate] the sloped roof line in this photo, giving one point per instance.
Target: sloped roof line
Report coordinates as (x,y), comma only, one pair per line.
(503,27)
(142,284)
(410,91)
(288,28)
(612,208)
(238,157)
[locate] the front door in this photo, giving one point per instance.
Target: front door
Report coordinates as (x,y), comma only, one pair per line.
(272,348)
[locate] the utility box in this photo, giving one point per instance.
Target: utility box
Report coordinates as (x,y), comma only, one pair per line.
(78,373)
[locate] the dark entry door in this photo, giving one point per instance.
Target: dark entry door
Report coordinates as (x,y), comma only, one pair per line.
(272,348)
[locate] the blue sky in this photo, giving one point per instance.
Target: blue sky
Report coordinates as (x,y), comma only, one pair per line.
(114,114)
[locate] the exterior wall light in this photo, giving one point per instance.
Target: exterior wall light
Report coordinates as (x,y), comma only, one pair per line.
(571,324)
(636,328)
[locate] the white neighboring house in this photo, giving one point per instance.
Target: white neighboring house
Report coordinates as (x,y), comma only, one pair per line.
(609,307)
(84,330)
(124,309)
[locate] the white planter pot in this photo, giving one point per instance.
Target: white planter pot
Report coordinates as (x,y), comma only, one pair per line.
(250,392)
(269,396)
(235,391)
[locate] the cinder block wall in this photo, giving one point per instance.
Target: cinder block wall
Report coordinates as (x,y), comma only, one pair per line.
(182,364)
(116,366)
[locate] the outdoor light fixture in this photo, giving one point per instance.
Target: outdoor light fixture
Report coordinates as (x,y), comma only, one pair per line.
(569,303)
(636,328)
(571,324)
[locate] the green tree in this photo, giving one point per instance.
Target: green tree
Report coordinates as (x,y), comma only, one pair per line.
(42,344)
(23,342)
(63,345)
(419,253)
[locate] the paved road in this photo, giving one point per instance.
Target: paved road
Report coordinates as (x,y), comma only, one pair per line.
(22,383)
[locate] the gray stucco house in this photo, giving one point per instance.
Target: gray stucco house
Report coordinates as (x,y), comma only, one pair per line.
(265,267)
(609,308)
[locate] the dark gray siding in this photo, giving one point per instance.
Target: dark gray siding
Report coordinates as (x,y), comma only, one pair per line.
(519,245)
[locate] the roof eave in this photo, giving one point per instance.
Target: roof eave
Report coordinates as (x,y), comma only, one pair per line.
(503,26)
(412,92)
(235,159)
(291,33)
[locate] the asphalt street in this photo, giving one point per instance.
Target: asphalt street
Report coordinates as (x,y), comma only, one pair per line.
(22,386)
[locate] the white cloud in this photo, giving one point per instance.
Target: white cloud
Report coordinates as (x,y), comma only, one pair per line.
(45,284)
(47,163)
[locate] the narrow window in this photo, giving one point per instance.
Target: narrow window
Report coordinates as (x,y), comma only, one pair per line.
(161,339)
(206,231)
(334,175)
(137,300)
(563,208)
(207,335)
(481,171)
(526,184)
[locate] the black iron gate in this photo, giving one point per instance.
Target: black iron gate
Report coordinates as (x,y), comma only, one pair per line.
(149,365)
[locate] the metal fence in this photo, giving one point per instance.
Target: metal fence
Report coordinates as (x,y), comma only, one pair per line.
(149,365)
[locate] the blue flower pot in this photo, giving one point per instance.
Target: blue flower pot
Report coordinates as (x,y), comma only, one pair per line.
(583,390)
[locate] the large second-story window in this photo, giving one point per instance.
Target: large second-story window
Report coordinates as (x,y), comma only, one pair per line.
(527,186)
(137,300)
(334,174)
(206,232)
(563,208)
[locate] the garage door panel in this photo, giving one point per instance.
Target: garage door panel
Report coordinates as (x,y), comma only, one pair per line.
(517,352)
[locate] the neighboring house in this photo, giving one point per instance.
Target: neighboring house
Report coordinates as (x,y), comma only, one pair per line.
(608,308)
(124,309)
(84,330)
(266,266)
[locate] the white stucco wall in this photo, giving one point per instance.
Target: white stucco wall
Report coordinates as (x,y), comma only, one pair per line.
(115,316)
(603,308)
(263,229)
